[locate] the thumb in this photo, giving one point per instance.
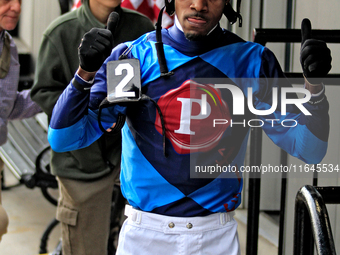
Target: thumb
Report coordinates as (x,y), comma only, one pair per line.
(306,30)
(112,22)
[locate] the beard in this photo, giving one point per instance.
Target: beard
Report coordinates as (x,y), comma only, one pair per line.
(194,37)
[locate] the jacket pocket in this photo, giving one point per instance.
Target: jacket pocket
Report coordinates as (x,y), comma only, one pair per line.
(68,218)
(67,215)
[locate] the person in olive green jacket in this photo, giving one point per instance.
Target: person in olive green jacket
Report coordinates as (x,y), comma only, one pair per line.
(86,177)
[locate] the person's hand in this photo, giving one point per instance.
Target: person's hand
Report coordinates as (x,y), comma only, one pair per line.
(315,56)
(94,48)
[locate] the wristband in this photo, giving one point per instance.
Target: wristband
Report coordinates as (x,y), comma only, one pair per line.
(81,84)
(319,97)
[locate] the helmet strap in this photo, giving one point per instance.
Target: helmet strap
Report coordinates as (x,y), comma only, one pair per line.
(232,15)
(160,48)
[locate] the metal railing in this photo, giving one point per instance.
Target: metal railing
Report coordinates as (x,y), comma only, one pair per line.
(311,216)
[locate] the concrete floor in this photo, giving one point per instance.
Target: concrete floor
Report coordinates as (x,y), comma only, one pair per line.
(30,213)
